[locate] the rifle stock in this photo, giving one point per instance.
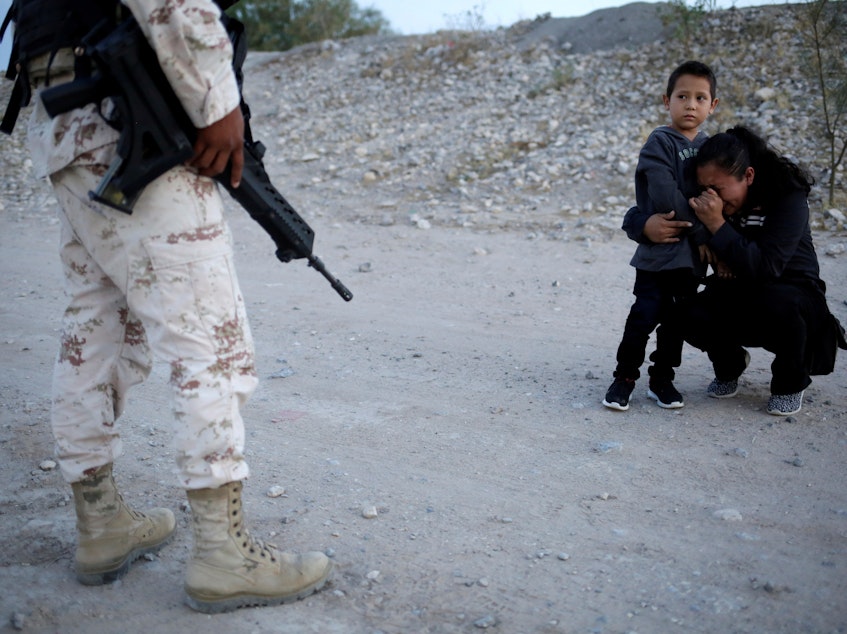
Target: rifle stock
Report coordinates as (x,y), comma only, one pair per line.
(156,135)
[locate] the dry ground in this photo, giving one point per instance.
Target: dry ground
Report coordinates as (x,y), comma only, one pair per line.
(458,394)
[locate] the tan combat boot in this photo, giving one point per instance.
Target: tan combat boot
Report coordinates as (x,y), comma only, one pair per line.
(112,535)
(230,569)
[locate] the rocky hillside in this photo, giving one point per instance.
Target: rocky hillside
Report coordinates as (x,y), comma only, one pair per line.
(537,126)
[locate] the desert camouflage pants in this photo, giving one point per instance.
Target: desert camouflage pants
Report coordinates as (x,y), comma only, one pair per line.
(158,283)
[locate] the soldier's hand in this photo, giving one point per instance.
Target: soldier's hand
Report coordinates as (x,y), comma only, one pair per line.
(219,144)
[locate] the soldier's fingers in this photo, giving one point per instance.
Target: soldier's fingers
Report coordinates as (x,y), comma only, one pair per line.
(237,160)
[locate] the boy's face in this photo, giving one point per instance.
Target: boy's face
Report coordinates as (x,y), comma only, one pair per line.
(690,104)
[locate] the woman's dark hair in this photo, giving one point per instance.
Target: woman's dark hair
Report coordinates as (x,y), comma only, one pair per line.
(739,148)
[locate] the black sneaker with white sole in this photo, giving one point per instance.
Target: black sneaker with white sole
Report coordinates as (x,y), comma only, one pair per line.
(617,396)
(665,395)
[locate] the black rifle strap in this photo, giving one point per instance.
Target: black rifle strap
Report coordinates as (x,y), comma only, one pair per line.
(16,100)
(19,97)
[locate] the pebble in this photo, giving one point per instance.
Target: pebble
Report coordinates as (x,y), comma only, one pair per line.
(284,372)
(728,515)
(18,620)
(369,512)
(47,465)
(837,215)
(748,537)
(609,446)
(275,491)
(485,622)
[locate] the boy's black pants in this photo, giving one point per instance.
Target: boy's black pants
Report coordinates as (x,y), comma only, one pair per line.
(658,295)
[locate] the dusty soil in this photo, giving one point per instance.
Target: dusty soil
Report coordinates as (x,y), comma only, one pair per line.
(458,394)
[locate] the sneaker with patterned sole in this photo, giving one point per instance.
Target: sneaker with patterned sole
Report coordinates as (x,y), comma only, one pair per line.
(726,389)
(617,396)
(722,389)
(665,395)
(785,404)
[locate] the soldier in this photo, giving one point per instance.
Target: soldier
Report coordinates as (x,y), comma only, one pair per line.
(159,282)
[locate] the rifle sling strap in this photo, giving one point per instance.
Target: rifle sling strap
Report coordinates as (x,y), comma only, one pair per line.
(20,97)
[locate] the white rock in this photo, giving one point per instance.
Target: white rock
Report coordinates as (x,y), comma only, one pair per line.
(728,515)
(765,94)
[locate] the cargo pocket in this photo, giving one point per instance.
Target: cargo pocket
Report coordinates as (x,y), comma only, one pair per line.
(192,277)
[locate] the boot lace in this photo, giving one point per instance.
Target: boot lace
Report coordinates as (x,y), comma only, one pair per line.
(254,545)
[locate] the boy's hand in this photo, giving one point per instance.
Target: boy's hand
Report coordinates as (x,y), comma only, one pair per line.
(218,144)
(662,229)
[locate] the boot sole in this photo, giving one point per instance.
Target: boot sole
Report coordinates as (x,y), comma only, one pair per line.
(228,604)
(114,573)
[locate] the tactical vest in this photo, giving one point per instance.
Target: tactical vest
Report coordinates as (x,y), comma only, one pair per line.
(47,26)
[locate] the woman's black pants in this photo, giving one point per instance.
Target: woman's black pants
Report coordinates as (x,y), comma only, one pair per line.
(783,318)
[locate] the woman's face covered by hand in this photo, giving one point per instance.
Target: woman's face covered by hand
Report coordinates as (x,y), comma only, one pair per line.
(729,188)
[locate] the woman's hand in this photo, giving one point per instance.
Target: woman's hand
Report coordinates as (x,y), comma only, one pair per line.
(662,229)
(707,256)
(709,209)
(723,271)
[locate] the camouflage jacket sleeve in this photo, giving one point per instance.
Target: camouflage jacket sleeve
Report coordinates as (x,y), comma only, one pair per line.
(195,53)
(193,49)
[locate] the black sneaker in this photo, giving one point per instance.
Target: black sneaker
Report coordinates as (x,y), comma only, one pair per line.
(617,396)
(665,394)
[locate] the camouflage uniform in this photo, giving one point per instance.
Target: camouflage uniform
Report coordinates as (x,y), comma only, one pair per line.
(159,281)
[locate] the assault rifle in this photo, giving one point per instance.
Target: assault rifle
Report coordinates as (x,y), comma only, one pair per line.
(156,134)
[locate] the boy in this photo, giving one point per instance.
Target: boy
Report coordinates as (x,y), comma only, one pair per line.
(665,274)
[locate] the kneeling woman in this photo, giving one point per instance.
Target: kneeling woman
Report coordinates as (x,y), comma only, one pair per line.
(769,293)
